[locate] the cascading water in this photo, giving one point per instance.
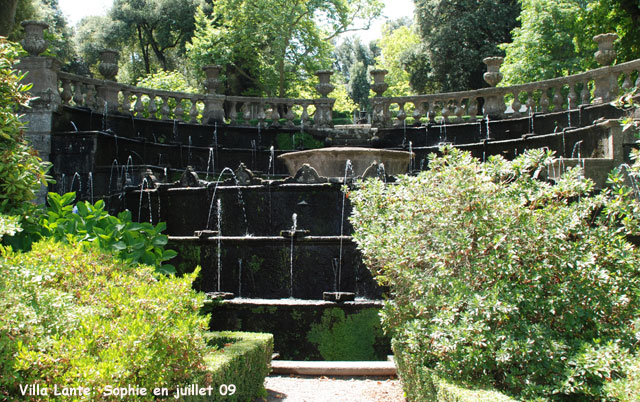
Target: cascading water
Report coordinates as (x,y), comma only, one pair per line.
(239,277)
(76,174)
(347,168)
(294,227)
(145,182)
(90,185)
(219,244)
(213,197)
(210,164)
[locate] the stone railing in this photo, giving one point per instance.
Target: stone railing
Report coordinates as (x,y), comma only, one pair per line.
(554,95)
(107,96)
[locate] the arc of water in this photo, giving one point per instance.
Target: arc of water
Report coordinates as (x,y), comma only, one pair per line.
(347,167)
(76,174)
(213,197)
(294,226)
(219,244)
(145,182)
(210,163)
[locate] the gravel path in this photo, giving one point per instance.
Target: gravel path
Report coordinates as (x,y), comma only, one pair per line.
(333,389)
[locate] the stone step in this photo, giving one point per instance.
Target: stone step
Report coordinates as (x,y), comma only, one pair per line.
(334,368)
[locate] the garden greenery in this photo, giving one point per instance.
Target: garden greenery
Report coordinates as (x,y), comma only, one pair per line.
(90,224)
(502,279)
(74,317)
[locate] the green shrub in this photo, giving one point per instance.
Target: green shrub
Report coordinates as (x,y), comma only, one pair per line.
(90,224)
(243,361)
(22,172)
(353,337)
(74,317)
(503,280)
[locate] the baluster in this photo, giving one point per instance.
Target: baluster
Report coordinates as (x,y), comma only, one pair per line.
(193,112)
(126,102)
(417,112)
(178,112)
(90,96)
(78,97)
(275,116)
(445,111)
(585,95)
(516,105)
(557,99)
(165,110)
(246,112)
(572,97)
(531,103)
(66,91)
(637,84)
(472,108)
(401,114)
(304,118)
(261,115)
(139,106)
(626,85)
(459,110)
(544,101)
(153,107)
(233,114)
(289,115)
(431,114)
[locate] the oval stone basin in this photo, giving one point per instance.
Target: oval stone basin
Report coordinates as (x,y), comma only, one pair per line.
(331,162)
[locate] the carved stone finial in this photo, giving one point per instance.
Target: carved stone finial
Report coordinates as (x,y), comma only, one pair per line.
(108,66)
(606,54)
(308,175)
(189,178)
(379,86)
(34,42)
(493,75)
(324,87)
(212,71)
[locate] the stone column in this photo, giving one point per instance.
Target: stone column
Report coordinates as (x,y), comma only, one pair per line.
(380,109)
(606,87)
(42,73)
(108,67)
(213,102)
(493,105)
(324,106)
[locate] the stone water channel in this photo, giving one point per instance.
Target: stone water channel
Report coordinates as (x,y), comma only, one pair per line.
(272,235)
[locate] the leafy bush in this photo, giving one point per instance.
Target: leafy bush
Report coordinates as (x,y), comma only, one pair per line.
(504,280)
(76,317)
(86,223)
(22,172)
(353,337)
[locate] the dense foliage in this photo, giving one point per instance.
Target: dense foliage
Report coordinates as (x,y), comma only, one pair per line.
(75,317)
(269,47)
(458,34)
(555,37)
(501,279)
(90,224)
(22,172)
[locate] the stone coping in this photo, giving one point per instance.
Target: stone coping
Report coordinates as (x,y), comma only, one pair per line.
(334,368)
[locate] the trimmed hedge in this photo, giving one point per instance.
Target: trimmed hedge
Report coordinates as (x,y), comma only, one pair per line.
(422,384)
(244,361)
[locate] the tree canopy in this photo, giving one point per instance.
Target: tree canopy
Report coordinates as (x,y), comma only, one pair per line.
(269,46)
(556,37)
(456,36)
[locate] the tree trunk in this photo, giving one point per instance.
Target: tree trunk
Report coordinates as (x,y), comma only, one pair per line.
(7,16)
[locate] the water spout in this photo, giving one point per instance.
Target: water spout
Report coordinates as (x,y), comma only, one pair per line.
(294,226)
(219,243)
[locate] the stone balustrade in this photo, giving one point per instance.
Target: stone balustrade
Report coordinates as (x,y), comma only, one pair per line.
(554,95)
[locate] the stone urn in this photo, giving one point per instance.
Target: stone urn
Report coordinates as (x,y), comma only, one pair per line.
(108,66)
(493,75)
(212,71)
(33,41)
(605,54)
(324,86)
(379,86)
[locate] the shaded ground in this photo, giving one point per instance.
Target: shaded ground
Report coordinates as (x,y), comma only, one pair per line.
(332,389)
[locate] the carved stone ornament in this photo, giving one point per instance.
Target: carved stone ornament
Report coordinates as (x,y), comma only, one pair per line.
(324,87)
(379,86)
(34,42)
(493,75)
(308,175)
(108,66)
(605,54)
(189,178)
(212,71)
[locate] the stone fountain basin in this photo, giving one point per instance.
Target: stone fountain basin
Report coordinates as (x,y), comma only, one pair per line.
(331,162)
